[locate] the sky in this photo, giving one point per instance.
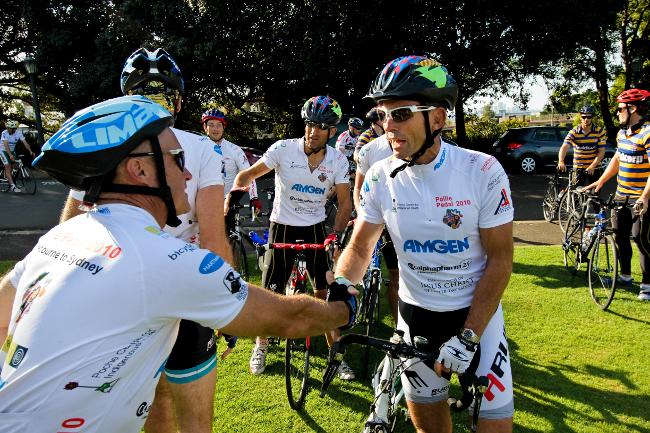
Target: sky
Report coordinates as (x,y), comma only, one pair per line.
(539,94)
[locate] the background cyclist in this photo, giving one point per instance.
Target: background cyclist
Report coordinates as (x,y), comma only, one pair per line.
(449,212)
(233,157)
(347,141)
(305,170)
(185,393)
(90,315)
(588,143)
(631,166)
(10,137)
(376,129)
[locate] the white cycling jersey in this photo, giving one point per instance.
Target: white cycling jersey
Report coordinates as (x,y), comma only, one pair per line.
(11,139)
(346,143)
(300,193)
(372,152)
(233,161)
(205,165)
(97,307)
(433,213)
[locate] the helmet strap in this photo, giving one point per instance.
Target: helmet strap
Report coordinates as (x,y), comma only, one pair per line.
(429,140)
(163,191)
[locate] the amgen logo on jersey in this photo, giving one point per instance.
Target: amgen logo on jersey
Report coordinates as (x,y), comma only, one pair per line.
(308,188)
(441,246)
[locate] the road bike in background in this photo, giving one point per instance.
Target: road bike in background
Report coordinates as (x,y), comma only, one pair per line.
(22,175)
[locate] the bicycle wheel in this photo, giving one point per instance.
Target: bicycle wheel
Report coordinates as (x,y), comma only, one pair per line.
(4,183)
(603,271)
(241,259)
(572,244)
(26,181)
(566,208)
(296,371)
(549,204)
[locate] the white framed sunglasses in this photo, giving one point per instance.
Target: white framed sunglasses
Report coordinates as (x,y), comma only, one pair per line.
(402,114)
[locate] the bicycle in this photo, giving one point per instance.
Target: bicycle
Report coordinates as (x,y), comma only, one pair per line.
(570,202)
(553,196)
(298,350)
(22,176)
(597,244)
(388,393)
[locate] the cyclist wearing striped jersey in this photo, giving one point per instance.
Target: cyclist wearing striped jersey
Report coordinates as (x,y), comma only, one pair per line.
(449,213)
(588,143)
(631,165)
(375,130)
(233,158)
(306,169)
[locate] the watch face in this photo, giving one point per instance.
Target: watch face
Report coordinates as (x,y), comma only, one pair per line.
(469,335)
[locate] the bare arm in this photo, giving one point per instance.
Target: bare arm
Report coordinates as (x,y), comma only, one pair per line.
(267,313)
(70,209)
(561,155)
(345,206)
(209,211)
(356,256)
(610,171)
(5,143)
(358,182)
(497,242)
(7,294)
(245,177)
(26,144)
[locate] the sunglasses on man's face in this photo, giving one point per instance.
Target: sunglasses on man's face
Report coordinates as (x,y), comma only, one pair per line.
(586,117)
(178,154)
(321,126)
(619,109)
(401,114)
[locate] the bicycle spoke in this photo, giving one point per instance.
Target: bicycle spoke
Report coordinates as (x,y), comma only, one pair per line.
(603,271)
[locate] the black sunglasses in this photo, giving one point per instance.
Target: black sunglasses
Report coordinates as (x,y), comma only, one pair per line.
(587,117)
(179,156)
(323,126)
(619,109)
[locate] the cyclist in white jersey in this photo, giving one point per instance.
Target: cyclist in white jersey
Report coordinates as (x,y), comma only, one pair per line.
(347,141)
(305,170)
(233,157)
(89,317)
(8,139)
(186,391)
(449,212)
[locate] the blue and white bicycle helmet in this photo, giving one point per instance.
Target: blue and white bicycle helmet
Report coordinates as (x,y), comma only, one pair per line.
(84,153)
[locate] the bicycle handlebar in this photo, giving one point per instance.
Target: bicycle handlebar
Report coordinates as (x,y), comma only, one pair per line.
(297,247)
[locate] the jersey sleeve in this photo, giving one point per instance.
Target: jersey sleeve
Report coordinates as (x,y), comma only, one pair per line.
(193,284)
(602,138)
(362,164)
(340,142)
(242,164)
(17,272)
(369,198)
(569,139)
(271,157)
(210,168)
(5,136)
(496,206)
(342,168)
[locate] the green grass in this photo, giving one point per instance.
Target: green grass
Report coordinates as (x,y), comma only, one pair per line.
(576,368)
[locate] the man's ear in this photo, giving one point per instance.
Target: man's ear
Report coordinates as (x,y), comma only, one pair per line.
(437,118)
(332,132)
(135,171)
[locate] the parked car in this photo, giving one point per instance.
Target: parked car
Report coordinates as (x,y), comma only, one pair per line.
(531,149)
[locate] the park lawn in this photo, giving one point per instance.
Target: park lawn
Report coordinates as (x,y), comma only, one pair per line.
(576,368)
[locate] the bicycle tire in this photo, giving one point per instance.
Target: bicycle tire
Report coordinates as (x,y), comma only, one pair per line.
(566,208)
(603,271)
(296,371)
(549,203)
(26,181)
(4,183)
(241,260)
(572,245)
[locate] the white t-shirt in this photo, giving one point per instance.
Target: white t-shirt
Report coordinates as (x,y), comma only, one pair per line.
(373,152)
(12,139)
(433,213)
(233,161)
(300,193)
(346,143)
(96,313)
(205,165)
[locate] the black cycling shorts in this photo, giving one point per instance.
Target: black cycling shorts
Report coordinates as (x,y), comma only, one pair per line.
(194,354)
(278,263)
(388,251)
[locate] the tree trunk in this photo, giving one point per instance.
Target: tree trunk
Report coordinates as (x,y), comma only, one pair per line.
(600,76)
(461,132)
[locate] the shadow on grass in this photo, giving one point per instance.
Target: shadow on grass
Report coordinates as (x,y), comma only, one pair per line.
(547,392)
(552,276)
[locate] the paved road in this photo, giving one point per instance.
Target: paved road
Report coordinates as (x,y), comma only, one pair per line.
(25,218)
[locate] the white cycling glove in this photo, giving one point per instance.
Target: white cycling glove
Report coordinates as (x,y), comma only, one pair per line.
(456,355)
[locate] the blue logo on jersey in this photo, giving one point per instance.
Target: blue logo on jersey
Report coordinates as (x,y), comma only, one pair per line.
(451,246)
(308,188)
(211,262)
(366,186)
(217,149)
(442,160)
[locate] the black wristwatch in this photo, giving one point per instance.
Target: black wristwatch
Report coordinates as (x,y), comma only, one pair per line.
(469,338)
